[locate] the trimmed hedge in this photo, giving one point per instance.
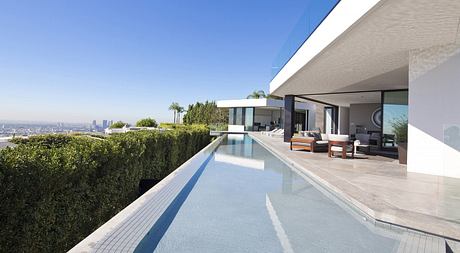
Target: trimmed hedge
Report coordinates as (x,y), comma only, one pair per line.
(171,125)
(55,190)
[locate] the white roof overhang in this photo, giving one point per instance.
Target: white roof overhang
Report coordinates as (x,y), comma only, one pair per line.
(365,45)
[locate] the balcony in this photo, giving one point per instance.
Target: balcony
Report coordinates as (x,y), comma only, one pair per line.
(315,13)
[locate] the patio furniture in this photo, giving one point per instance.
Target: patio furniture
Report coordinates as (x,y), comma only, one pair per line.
(309,143)
(302,143)
(362,141)
(268,132)
(256,127)
(279,133)
(340,143)
(375,138)
(389,139)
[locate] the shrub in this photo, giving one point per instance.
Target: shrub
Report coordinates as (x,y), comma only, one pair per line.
(172,126)
(148,122)
(118,124)
(49,141)
(55,190)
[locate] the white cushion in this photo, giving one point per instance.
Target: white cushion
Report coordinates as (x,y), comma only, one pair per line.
(324,137)
(322,142)
(338,137)
(339,149)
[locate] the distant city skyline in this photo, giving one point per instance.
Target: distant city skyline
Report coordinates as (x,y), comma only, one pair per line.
(82,60)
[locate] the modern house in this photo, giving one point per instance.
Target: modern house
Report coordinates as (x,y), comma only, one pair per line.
(375,66)
(264,114)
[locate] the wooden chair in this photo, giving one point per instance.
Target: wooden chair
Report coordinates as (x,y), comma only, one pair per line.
(342,144)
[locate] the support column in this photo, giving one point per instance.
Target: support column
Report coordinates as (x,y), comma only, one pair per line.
(289,117)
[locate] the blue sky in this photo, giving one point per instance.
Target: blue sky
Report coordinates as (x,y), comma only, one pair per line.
(74,61)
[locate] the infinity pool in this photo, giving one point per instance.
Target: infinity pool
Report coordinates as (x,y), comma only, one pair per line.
(247,200)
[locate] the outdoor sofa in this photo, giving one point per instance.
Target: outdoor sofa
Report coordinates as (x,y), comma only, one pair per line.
(310,141)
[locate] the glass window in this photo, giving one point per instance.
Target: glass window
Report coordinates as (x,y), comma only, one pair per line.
(231,116)
(249,119)
(395,118)
(239,116)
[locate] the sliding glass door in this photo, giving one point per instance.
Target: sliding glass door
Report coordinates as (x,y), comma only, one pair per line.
(249,119)
(395,118)
(242,116)
(330,120)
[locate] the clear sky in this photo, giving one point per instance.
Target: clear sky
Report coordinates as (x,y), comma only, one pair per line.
(74,61)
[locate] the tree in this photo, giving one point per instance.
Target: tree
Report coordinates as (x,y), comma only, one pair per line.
(180,110)
(205,113)
(400,128)
(118,124)
(147,122)
(274,97)
(257,94)
(176,108)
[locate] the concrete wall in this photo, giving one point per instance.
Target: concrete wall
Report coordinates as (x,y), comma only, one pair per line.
(319,117)
(434,111)
(312,118)
(344,120)
(361,115)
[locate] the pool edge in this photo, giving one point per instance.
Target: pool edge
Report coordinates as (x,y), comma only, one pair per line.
(90,243)
(354,205)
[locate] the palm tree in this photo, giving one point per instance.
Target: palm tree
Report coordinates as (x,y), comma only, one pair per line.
(180,110)
(257,94)
(273,97)
(174,107)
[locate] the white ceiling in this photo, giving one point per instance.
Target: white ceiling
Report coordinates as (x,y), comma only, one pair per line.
(348,98)
(374,53)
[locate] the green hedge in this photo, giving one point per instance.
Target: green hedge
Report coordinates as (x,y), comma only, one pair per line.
(55,190)
(171,125)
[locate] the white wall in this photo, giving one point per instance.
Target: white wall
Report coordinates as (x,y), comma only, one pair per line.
(434,111)
(236,128)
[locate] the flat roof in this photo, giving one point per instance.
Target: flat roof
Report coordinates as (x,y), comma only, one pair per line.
(268,103)
(365,45)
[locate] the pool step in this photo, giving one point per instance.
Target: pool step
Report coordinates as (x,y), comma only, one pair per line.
(412,242)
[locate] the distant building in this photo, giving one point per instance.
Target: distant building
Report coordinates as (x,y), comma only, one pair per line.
(94,125)
(105,124)
(110,123)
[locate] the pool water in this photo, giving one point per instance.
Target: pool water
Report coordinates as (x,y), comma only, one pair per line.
(247,200)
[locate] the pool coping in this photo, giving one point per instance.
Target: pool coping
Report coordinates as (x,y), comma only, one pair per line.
(124,231)
(360,209)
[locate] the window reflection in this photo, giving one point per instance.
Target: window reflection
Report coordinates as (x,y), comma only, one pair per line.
(231,116)
(249,119)
(395,116)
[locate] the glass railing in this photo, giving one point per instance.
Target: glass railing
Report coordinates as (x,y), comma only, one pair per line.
(315,13)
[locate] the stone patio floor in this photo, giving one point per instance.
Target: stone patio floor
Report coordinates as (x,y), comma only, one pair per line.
(381,188)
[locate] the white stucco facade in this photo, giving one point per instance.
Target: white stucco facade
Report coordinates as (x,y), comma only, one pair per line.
(434,111)
(384,46)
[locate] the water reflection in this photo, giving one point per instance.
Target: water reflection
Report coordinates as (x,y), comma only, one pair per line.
(247,200)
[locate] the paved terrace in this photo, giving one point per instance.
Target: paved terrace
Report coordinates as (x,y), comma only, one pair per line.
(382,188)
